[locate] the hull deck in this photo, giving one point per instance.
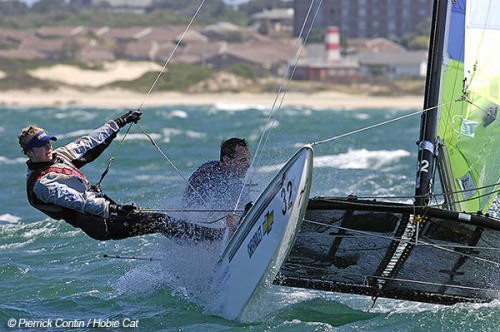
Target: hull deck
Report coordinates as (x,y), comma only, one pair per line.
(394,250)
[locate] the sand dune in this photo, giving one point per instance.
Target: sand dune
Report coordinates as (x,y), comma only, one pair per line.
(85,91)
(111,72)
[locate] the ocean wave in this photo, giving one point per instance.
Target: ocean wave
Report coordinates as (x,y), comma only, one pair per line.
(170,132)
(361,159)
(10,161)
(177,114)
(353,159)
(73,134)
(361,116)
(76,114)
(241,107)
(9,218)
(139,137)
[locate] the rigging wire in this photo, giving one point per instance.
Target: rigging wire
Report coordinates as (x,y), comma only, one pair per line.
(98,185)
(442,194)
(357,131)
(167,61)
(285,79)
(169,161)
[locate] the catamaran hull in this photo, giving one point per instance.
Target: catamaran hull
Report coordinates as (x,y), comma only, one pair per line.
(394,250)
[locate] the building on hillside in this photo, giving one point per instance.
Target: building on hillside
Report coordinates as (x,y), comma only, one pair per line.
(357,45)
(324,62)
(363,18)
(95,52)
(274,20)
(130,6)
(393,64)
(231,33)
(271,56)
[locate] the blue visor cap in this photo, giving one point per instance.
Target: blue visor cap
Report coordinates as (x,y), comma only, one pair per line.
(40,139)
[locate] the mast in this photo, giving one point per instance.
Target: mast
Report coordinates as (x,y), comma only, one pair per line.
(427,144)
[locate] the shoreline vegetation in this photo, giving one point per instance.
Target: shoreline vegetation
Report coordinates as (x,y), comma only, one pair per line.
(121,84)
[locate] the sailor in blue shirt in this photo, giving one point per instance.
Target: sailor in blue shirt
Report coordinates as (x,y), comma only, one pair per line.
(218,184)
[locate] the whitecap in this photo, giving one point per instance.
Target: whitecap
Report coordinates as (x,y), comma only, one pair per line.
(10,161)
(140,137)
(297,112)
(361,116)
(239,107)
(16,245)
(72,134)
(169,132)
(177,114)
(9,218)
(361,159)
(270,168)
(76,114)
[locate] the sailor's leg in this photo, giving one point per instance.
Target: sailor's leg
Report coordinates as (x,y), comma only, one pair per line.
(93,226)
(116,228)
(146,223)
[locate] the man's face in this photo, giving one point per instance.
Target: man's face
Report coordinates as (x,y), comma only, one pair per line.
(41,154)
(240,162)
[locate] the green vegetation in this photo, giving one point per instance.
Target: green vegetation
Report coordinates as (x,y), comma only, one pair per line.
(247,71)
(178,77)
(17,15)
(18,67)
(419,40)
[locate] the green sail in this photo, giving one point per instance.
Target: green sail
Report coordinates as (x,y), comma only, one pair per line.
(468,125)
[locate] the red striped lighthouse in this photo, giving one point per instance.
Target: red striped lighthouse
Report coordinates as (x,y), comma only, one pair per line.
(332,44)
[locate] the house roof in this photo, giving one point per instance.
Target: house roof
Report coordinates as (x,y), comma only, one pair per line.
(61,31)
(27,54)
(125,3)
(373,45)
(262,53)
(275,14)
(43,45)
(392,58)
(96,53)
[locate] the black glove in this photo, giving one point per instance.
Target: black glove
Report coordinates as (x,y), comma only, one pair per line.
(130,116)
(122,210)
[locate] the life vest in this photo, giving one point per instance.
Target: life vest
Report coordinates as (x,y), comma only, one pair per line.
(52,210)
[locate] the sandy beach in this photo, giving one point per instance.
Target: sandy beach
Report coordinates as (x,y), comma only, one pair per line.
(84,91)
(127,99)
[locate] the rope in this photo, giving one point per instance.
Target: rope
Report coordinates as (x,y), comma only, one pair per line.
(170,162)
(357,131)
(202,2)
(443,194)
(298,49)
(98,186)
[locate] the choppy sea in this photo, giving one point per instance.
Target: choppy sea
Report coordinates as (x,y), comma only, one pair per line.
(54,277)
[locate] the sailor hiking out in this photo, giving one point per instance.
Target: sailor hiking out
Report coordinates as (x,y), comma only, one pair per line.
(56,186)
